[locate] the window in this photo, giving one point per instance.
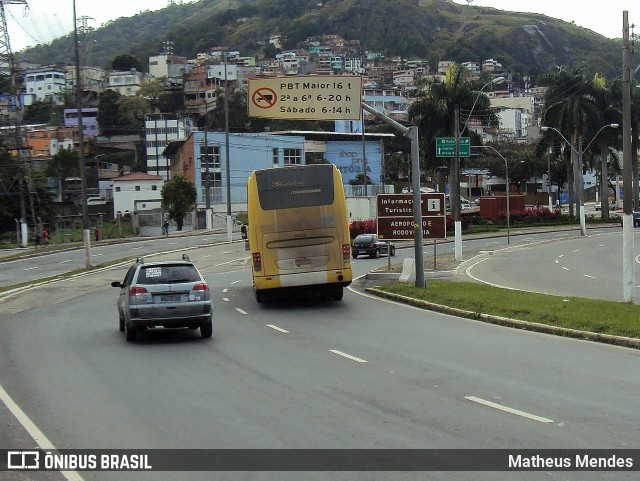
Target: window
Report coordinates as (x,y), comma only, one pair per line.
(212,157)
(292,156)
(137,188)
(117,189)
(276,157)
(154,187)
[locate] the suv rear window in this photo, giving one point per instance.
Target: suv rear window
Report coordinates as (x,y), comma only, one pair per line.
(166,274)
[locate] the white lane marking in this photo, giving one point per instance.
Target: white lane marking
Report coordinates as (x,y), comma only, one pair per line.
(38,436)
(31,268)
(590,277)
(228,252)
(64,262)
(224,290)
(234,282)
(204,257)
(96,255)
(278,328)
(241,311)
(171,243)
(134,248)
(566,268)
(561,255)
(225,299)
(348,356)
(557,261)
(601,245)
(577,250)
(508,409)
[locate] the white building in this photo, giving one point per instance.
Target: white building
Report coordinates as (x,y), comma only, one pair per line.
(135,192)
(159,130)
(168,65)
(44,84)
(127,83)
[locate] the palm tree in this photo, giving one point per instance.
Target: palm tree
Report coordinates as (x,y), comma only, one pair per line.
(437,114)
(569,107)
(606,104)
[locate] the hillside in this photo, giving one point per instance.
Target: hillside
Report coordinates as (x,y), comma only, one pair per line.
(432,29)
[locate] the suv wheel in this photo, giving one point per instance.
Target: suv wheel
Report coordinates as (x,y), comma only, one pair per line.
(376,254)
(206,329)
(130,333)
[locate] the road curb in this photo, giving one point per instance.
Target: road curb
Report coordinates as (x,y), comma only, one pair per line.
(507,322)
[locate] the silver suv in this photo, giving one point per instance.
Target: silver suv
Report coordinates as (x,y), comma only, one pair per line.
(164,293)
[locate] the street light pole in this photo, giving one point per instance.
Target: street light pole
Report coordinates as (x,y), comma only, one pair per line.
(579,152)
(455,183)
(506,172)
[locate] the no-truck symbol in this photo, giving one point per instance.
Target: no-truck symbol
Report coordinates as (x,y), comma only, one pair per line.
(264,98)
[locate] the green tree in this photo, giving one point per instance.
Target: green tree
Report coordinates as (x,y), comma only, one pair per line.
(436,111)
(42,112)
(610,112)
(178,197)
(131,111)
(569,107)
(108,110)
(358,180)
(63,165)
(152,92)
(126,62)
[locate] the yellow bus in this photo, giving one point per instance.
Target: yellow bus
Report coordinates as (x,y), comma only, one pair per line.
(298,231)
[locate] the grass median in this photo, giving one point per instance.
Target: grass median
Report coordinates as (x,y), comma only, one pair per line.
(597,316)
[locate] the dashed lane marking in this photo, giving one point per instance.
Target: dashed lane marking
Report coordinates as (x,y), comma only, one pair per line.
(509,410)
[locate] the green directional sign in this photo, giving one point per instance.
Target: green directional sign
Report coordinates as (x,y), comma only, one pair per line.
(446,147)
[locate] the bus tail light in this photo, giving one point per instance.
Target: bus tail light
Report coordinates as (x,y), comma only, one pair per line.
(346,252)
(257,261)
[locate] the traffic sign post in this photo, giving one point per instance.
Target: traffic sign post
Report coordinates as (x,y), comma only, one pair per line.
(306,97)
(446,147)
(395,216)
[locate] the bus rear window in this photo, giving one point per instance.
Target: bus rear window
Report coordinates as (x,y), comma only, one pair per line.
(307,186)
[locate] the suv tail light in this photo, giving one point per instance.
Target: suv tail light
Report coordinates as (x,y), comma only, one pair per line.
(257,261)
(140,294)
(203,286)
(346,252)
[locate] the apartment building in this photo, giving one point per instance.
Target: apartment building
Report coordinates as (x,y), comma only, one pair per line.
(159,130)
(127,83)
(45,84)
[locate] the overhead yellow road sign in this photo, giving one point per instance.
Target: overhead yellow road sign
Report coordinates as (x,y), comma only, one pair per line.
(306,97)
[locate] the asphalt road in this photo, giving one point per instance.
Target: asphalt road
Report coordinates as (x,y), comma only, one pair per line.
(42,266)
(588,266)
(291,374)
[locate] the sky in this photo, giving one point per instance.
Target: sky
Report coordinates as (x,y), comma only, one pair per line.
(48,19)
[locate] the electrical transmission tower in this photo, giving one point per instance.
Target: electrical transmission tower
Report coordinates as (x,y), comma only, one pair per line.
(23,177)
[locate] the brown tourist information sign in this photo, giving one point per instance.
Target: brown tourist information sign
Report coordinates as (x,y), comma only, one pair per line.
(395,216)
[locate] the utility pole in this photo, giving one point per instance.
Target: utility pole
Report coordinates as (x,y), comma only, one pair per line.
(207,193)
(226,146)
(628,255)
(83,174)
(454,189)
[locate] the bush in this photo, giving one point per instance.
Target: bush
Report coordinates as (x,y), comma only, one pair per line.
(357,227)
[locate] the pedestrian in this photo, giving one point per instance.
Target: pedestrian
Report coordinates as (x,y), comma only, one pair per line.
(165,228)
(38,239)
(234,218)
(558,204)
(45,236)
(537,205)
(96,233)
